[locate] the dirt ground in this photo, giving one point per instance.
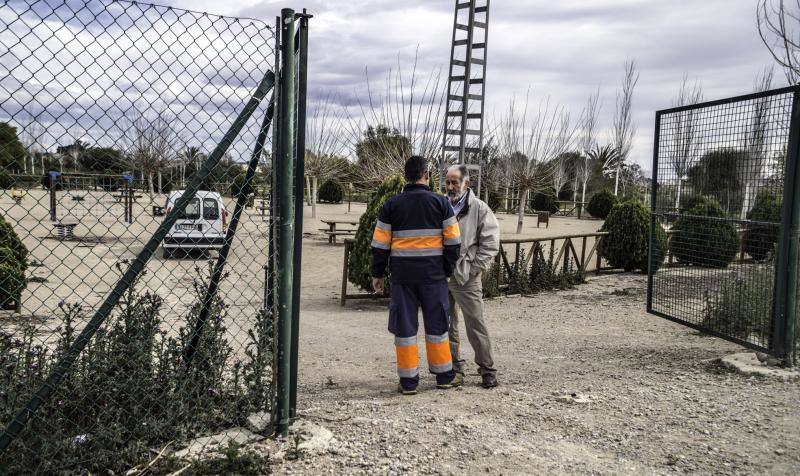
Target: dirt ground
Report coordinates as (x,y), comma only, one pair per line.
(654,399)
(589,382)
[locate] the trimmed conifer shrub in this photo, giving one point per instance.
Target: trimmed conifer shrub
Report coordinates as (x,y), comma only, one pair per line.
(545,201)
(601,203)
(360,262)
(760,238)
(331,191)
(704,236)
(627,244)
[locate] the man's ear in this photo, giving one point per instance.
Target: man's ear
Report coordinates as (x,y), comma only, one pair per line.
(467,183)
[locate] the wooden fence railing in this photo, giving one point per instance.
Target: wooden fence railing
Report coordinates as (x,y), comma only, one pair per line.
(580,250)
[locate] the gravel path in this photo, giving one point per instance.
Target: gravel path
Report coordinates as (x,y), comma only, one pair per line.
(589,384)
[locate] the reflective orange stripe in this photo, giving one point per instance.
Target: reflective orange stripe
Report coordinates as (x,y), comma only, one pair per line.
(382,235)
(407,356)
(452,231)
(416,243)
(438,353)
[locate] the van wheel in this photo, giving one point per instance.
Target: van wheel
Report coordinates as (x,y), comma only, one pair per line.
(167,253)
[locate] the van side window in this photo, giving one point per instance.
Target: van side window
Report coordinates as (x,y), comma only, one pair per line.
(192,210)
(210,209)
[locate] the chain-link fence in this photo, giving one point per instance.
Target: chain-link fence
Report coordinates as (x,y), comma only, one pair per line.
(137,263)
(721,181)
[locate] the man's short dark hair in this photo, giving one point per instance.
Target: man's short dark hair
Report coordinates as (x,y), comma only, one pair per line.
(416,166)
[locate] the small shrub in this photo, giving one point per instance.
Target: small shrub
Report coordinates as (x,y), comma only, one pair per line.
(495,200)
(601,203)
(491,288)
(760,238)
(331,191)
(12,282)
(544,201)
(628,242)
(360,263)
(743,307)
(543,274)
(9,239)
(704,236)
(6,180)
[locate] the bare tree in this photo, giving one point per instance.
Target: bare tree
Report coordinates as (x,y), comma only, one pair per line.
(586,142)
(755,142)
(324,145)
(531,145)
(151,143)
(408,105)
(624,129)
(683,128)
(779,28)
(561,173)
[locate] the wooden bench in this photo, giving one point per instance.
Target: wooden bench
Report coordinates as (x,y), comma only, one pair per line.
(333,234)
(158,211)
(64,230)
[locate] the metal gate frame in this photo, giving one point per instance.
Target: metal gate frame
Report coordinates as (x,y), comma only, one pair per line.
(784,309)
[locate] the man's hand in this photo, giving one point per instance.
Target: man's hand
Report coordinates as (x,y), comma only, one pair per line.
(377,285)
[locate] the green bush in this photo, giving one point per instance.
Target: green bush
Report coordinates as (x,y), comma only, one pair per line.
(12,281)
(9,239)
(130,390)
(360,263)
(601,203)
(627,244)
(495,200)
(6,180)
(743,306)
(544,201)
(704,236)
(331,191)
(760,238)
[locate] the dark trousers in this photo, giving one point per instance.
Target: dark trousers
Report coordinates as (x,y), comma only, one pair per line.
(404,324)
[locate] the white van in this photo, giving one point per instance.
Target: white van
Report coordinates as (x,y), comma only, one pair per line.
(201,227)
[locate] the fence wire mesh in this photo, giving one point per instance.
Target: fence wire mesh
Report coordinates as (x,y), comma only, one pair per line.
(720,175)
(108,109)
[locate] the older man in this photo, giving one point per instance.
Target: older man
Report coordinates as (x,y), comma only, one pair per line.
(480,243)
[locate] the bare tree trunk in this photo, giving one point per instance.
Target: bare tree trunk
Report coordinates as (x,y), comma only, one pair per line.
(150,183)
(583,194)
(505,201)
(160,189)
(678,197)
(616,182)
(575,191)
(308,190)
(314,197)
(523,198)
(748,199)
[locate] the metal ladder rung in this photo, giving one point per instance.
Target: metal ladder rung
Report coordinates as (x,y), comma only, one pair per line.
(459,26)
(455,113)
(480,24)
(463,5)
(477,61)
(458,78)
(455,97)
(459,62)
(460,42)
(478,46)
(481,9)
(475,96)
(476,81)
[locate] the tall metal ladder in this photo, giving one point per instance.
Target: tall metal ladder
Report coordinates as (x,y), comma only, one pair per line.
(463,125)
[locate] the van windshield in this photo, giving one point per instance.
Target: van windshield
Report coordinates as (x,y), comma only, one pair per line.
(192,210)
(210,209)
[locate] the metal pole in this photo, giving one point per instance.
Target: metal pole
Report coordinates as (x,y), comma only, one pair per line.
(285,221)
(53,185)
(302,75)
(787,267)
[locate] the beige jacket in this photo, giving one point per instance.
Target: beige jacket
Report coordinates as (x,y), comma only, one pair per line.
(480,239)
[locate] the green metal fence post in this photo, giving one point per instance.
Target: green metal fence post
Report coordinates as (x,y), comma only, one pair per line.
(302,76)
(285,220)
(783,338)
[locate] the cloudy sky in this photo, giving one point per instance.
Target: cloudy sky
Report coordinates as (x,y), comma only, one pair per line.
(563,49)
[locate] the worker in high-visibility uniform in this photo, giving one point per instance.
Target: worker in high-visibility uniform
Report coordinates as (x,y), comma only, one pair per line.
(418,232)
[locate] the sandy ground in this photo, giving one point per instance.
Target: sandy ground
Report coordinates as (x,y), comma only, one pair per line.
(649,397)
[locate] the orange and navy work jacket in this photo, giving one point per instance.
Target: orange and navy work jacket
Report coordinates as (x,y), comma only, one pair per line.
(418,231)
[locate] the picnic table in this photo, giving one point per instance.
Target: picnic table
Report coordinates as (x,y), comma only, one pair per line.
(333,232)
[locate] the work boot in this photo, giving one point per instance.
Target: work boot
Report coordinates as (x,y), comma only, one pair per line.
(489,381)
(445,380)
(458,380)
(406,391)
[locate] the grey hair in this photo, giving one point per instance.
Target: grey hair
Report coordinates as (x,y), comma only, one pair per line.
(461,168)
